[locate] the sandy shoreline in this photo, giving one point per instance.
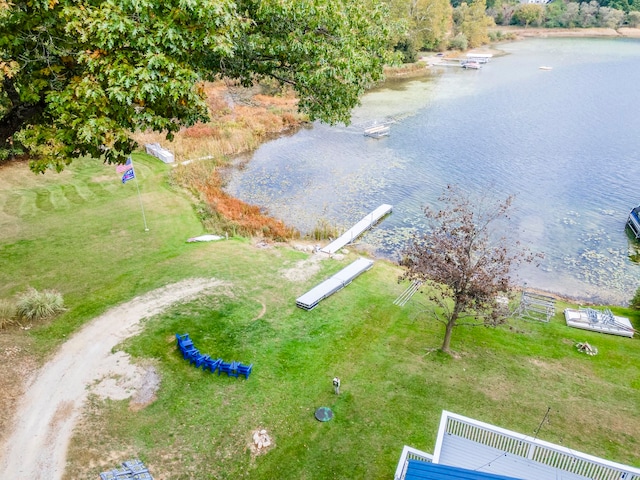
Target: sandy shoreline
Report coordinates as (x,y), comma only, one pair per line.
(522,32)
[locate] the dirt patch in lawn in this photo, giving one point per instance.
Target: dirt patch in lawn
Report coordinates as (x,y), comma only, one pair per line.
(54,395)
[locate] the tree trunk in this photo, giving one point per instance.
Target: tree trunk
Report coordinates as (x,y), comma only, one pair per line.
(447,335)
(453,319)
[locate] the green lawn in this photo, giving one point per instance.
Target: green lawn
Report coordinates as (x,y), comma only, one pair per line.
(82,233)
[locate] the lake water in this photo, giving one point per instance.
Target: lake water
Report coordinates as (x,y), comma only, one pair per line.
(565,141)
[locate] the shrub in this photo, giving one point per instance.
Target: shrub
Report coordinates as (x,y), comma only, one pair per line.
(633,19)
(459,42)
(635,301)
(406,48)
(7,313)
(34,305)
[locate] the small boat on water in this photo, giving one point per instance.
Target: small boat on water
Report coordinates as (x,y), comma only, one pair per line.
(471,65)
(546,68)
(634,222)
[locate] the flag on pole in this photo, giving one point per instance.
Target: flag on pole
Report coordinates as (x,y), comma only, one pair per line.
(125,167)
(128,175)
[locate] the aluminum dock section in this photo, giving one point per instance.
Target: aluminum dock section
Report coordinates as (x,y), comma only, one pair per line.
(355,231)
(310,300)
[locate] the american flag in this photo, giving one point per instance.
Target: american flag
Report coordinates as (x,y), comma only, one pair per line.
(125,167)
(128,175)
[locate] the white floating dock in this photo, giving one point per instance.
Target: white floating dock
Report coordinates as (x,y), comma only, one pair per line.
(598,321)
(310,300)
(355,231)
(377,131)
(157,151)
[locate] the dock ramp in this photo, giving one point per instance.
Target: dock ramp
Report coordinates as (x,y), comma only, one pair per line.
(310,300)
(355,231)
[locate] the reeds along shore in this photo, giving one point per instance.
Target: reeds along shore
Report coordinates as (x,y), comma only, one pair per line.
(241,119)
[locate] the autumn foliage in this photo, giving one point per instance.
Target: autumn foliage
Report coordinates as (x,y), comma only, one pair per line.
(243,218)
(241,119)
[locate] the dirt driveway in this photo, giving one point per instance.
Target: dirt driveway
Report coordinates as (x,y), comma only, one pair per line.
(36,448)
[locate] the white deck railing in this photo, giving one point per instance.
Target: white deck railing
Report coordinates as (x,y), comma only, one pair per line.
(530,448)
(409,453)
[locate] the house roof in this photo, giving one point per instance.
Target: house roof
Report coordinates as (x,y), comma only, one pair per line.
(417,470)
(483,451)
(466,443)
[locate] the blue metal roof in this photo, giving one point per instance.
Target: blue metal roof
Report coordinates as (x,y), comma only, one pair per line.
(417,470)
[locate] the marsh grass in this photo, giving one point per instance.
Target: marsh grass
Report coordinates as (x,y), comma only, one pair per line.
(222,213)
(240,120)
(324,230)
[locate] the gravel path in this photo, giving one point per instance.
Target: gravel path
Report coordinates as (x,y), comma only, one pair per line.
(36,448)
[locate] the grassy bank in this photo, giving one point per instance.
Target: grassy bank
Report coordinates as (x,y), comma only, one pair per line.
(241,119)
(82,234)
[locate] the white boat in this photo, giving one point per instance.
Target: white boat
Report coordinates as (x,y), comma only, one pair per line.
(634,222)
(471,65)
(546,68)
(602,321)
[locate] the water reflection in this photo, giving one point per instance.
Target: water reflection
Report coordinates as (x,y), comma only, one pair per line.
(564,141)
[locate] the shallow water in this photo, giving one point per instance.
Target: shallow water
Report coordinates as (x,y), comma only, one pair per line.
(565,141)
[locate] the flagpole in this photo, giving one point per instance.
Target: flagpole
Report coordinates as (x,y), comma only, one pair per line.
(135,177)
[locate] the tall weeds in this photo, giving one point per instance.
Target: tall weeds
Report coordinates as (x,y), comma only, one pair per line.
(240,120)
(324,230)
(7,313)
(223,213)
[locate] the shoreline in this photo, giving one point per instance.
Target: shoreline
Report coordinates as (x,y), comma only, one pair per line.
(539,32)
(419,69)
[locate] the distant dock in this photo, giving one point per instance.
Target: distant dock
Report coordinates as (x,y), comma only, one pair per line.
(355,231)
(472,60)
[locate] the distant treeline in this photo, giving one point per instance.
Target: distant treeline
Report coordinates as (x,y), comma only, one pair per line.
(438,25)
(560,14)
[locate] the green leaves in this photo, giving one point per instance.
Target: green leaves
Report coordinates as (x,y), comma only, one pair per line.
(329,51)
(80,76)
